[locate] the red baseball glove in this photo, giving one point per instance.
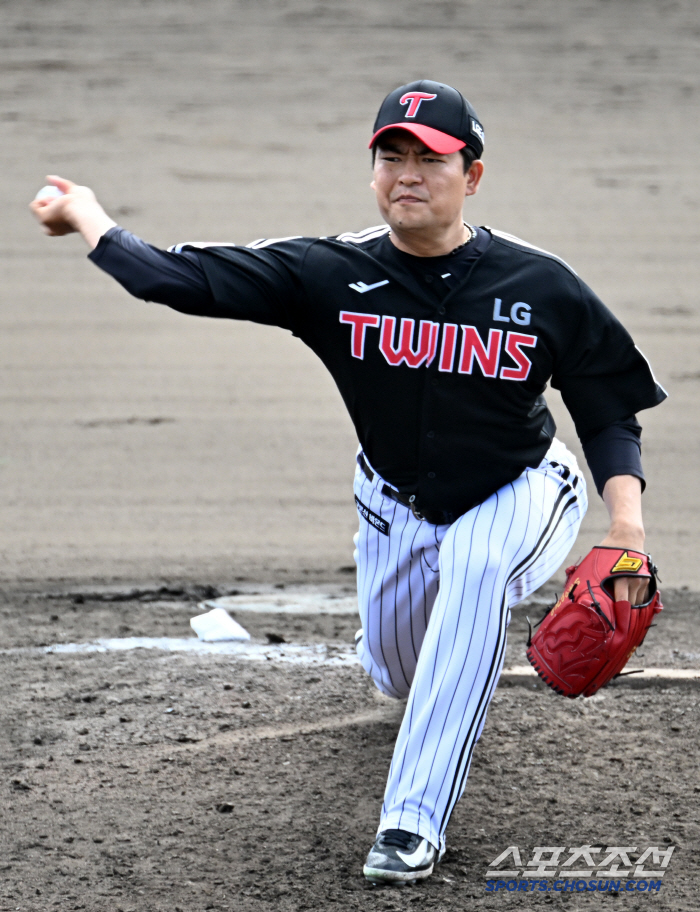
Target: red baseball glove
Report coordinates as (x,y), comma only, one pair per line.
(586,638)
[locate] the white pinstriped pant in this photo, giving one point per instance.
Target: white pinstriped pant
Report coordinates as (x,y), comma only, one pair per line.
(435,604)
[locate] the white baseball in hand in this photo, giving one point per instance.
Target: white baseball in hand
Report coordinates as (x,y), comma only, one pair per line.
(49,192)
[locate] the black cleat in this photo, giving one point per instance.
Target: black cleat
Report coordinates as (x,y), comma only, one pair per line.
(398,857)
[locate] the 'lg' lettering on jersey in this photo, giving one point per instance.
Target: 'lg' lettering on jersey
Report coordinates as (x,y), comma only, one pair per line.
(422,350)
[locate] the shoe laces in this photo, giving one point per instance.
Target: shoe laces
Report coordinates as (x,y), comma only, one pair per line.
(399,838)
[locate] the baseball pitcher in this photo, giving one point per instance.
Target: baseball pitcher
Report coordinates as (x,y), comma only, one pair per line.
(441,337)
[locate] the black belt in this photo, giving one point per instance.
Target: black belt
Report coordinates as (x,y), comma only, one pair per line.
(434,517)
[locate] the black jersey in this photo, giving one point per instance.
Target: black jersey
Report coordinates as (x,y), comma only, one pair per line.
(442,366)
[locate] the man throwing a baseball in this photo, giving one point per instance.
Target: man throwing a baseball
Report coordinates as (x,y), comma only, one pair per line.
(441,338)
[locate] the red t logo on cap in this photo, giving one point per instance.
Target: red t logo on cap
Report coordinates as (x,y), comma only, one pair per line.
(413,100)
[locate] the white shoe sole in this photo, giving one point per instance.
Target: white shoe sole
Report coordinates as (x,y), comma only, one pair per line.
(382,876)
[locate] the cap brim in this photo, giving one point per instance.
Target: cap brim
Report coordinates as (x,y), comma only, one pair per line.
(439,142)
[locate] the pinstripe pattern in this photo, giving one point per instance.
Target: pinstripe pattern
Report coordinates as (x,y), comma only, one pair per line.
(397,589)
(443,646)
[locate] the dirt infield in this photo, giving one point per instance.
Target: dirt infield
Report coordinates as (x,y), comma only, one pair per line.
(161,458)
(145,780)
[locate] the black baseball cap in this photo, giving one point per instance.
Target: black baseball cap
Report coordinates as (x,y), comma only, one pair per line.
(437,114)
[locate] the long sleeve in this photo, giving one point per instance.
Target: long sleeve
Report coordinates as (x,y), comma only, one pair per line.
(257,283)
(616,450)
(175,279)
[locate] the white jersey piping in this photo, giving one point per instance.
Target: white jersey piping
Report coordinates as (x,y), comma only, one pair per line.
(516,240)
(358,237)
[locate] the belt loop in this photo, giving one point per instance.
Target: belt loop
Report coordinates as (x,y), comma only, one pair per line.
(412,506)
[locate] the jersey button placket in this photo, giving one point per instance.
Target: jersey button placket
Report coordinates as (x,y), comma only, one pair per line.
(431,436)
(427,454)
(429,449)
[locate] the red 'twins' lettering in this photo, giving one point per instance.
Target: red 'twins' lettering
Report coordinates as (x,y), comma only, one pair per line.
(473,347)
(449,344)
(486,354)
(359,323)
(514,343)
(427,342)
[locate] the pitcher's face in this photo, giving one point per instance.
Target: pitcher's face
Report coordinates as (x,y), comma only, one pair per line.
(417,188)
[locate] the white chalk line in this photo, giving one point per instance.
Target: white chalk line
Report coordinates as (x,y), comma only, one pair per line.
(293,653)
(670,674)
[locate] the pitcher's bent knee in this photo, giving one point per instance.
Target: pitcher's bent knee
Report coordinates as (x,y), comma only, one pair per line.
(377,670)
